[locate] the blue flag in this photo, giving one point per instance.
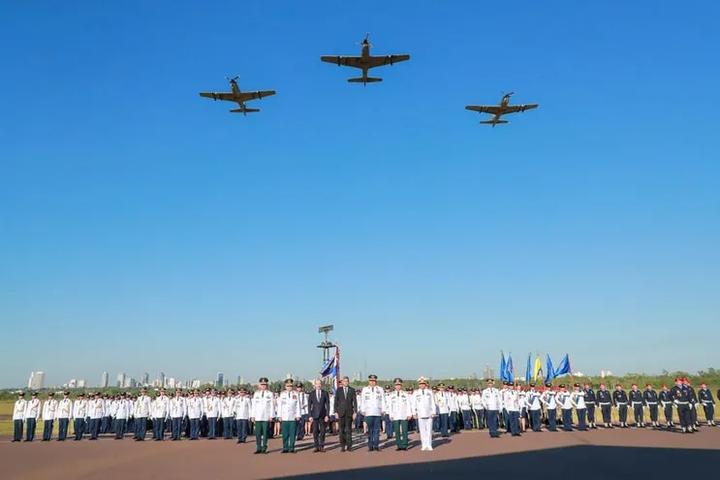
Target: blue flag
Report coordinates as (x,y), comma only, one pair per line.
(549,370)
(503,366)
(564,367)
(509,373)
(528,372)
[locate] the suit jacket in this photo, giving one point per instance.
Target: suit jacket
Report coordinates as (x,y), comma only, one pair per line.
(345,405)
(319,408)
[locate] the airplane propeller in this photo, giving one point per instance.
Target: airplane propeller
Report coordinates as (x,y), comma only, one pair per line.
(233,78)
(365,40)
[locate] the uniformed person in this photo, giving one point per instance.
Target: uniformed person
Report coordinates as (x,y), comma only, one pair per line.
(693,404)
(177,410)
(96,411)
(302,425)
(261,414)
(636,401)
(512,407)
(79,413)
(211,409)
(442,402)
(288,412)
(123,408)
(399,409)
(227,404)
(194,413)
(371,404)
(706,399)
(19,416)
(534,406)
(548,399)
(590,403)
(33,409)
(577,398)
(241,413)
(566,406)
(492,403)
(681,400)
(63,413)
(605,402)
(387,422)
(666,402)
(423,404)
(48,416)
(159,408)
(650,397)
(620,400)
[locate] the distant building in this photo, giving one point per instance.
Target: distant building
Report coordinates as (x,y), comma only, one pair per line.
(81,383)
(220,380)
(195,383)
(36,380)
(145,379)
(104,380)
(488,372)
(605,373)
(162,379)
(121,380)
(239,380)
(72,383)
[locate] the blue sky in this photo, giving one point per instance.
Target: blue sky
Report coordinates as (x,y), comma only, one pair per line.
(143,228)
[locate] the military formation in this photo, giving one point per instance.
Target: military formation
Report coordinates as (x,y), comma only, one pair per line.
(365,61)
(370,412)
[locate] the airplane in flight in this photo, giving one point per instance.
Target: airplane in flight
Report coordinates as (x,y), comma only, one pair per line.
(364,62)
(499,110)
(235,95)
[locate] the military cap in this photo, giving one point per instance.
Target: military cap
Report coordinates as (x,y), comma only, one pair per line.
(576,385)
(441,385)
(548,384)
(489,380)
(81,395)
(21,394)
(408,389)
(263,381)
(298,385)
(649,385)
(532,385)
(451,387)
(398,381)
(66,393)
(387,387)
(422,381)
(289,381)
(372,377)
(51,394)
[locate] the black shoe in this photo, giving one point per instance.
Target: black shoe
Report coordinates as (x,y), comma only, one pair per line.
(316,450)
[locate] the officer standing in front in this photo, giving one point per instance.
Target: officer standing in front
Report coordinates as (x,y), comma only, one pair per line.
(400,411)
(423,404)
(491,401)
(288,412)
(19,416)
(261,413)
(372,406)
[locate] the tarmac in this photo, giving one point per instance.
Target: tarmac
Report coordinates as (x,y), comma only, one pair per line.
(598,454)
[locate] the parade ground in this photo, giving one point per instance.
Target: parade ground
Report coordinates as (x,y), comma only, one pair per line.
(593,455)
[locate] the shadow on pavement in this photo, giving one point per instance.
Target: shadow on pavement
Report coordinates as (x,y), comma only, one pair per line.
(587,462)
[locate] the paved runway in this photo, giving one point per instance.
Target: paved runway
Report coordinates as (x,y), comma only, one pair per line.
(589,455)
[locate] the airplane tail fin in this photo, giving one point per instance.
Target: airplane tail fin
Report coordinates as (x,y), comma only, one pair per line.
(364,80)
(244,110)
(493,123)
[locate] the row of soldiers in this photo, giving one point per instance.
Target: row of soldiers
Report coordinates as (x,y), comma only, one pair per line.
(235,414)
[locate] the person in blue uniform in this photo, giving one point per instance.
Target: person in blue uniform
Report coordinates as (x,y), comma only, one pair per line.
(681,399)
(708,402)
(636,401)
(605,402)
(650,398)
(693,404)
(590,403)
(666,402)
(620,400)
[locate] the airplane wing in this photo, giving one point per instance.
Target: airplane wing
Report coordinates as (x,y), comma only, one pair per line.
(244,96)
(218,95)
(380,60)
(519,108)
(342,61)
(491,109)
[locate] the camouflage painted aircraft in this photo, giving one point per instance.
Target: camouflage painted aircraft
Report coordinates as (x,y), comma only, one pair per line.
(499,110)
(237,96)
(364,62)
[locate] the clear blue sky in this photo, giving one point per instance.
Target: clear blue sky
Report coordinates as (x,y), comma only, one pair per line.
(144,228)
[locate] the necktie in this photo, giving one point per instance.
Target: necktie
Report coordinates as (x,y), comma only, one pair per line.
(318,395)
(345,391)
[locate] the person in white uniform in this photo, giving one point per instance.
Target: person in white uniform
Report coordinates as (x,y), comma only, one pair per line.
(19,416)
(423,404)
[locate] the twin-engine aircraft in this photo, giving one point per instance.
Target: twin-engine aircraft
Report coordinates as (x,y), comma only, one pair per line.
(365,62)
(235,95)
(501,109)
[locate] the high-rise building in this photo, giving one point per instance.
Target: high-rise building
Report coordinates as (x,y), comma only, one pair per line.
(36,380)
(488,372)
(171,383)
(220,380)
(121,379)
(195,383)
(81,383)
(162,379)
(104,380)
(145,380)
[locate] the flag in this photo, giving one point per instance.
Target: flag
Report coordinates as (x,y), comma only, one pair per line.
(538,370)
(503,366)
(331,368)
(564,367)
(509,373)
(549,370)
(528,373)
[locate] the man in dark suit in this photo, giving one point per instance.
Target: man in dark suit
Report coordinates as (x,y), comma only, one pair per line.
(319,410)
(345,409)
